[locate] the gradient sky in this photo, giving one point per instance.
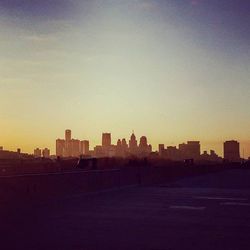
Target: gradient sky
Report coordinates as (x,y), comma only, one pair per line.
(173,70)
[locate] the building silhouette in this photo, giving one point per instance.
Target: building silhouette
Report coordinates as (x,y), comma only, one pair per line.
(98,151)
(37,153)
(75,148)
(150,148)
(212,157)
(119,151)
(70,147)
(190,150)
(68,143)
(67,135)
(60,147)
(106,149)
(144,148)
(232,151)
(6,154)
(172,153)
(46,153)
(124,145)
(133,148)
(84,147)
(161,148)
(106,139)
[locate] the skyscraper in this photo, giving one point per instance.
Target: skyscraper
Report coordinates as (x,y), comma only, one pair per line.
(119,152)
(84,147)
(106,139)
(68,143)
(161,149)
(194,149)
(150,148)
(143,142)
(71,147)
(232,151)
(60,147)
(171,153)
(133,144)
(46,153)
(75,148)
(144,148)
(124,145)
(190,150)
(37,152)
(119,143)
(67,135)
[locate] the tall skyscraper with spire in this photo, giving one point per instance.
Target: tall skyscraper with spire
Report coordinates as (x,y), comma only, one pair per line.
(133,148)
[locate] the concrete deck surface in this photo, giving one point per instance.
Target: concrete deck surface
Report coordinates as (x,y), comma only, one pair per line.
(205,212)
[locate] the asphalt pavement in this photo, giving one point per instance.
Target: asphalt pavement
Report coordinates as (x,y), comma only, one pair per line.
(211,211)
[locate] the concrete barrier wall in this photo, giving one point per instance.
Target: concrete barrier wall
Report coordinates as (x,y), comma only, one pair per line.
(43,186)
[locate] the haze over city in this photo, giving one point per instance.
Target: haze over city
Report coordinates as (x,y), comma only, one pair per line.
(172,70)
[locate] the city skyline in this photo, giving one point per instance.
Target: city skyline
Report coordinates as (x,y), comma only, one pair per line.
(141,147)
(217,146)
(172,70)
(74,147)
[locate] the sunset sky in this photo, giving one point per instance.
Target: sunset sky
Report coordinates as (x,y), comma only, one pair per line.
(173,70)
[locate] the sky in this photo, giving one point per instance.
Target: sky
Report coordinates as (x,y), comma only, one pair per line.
(173,70)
